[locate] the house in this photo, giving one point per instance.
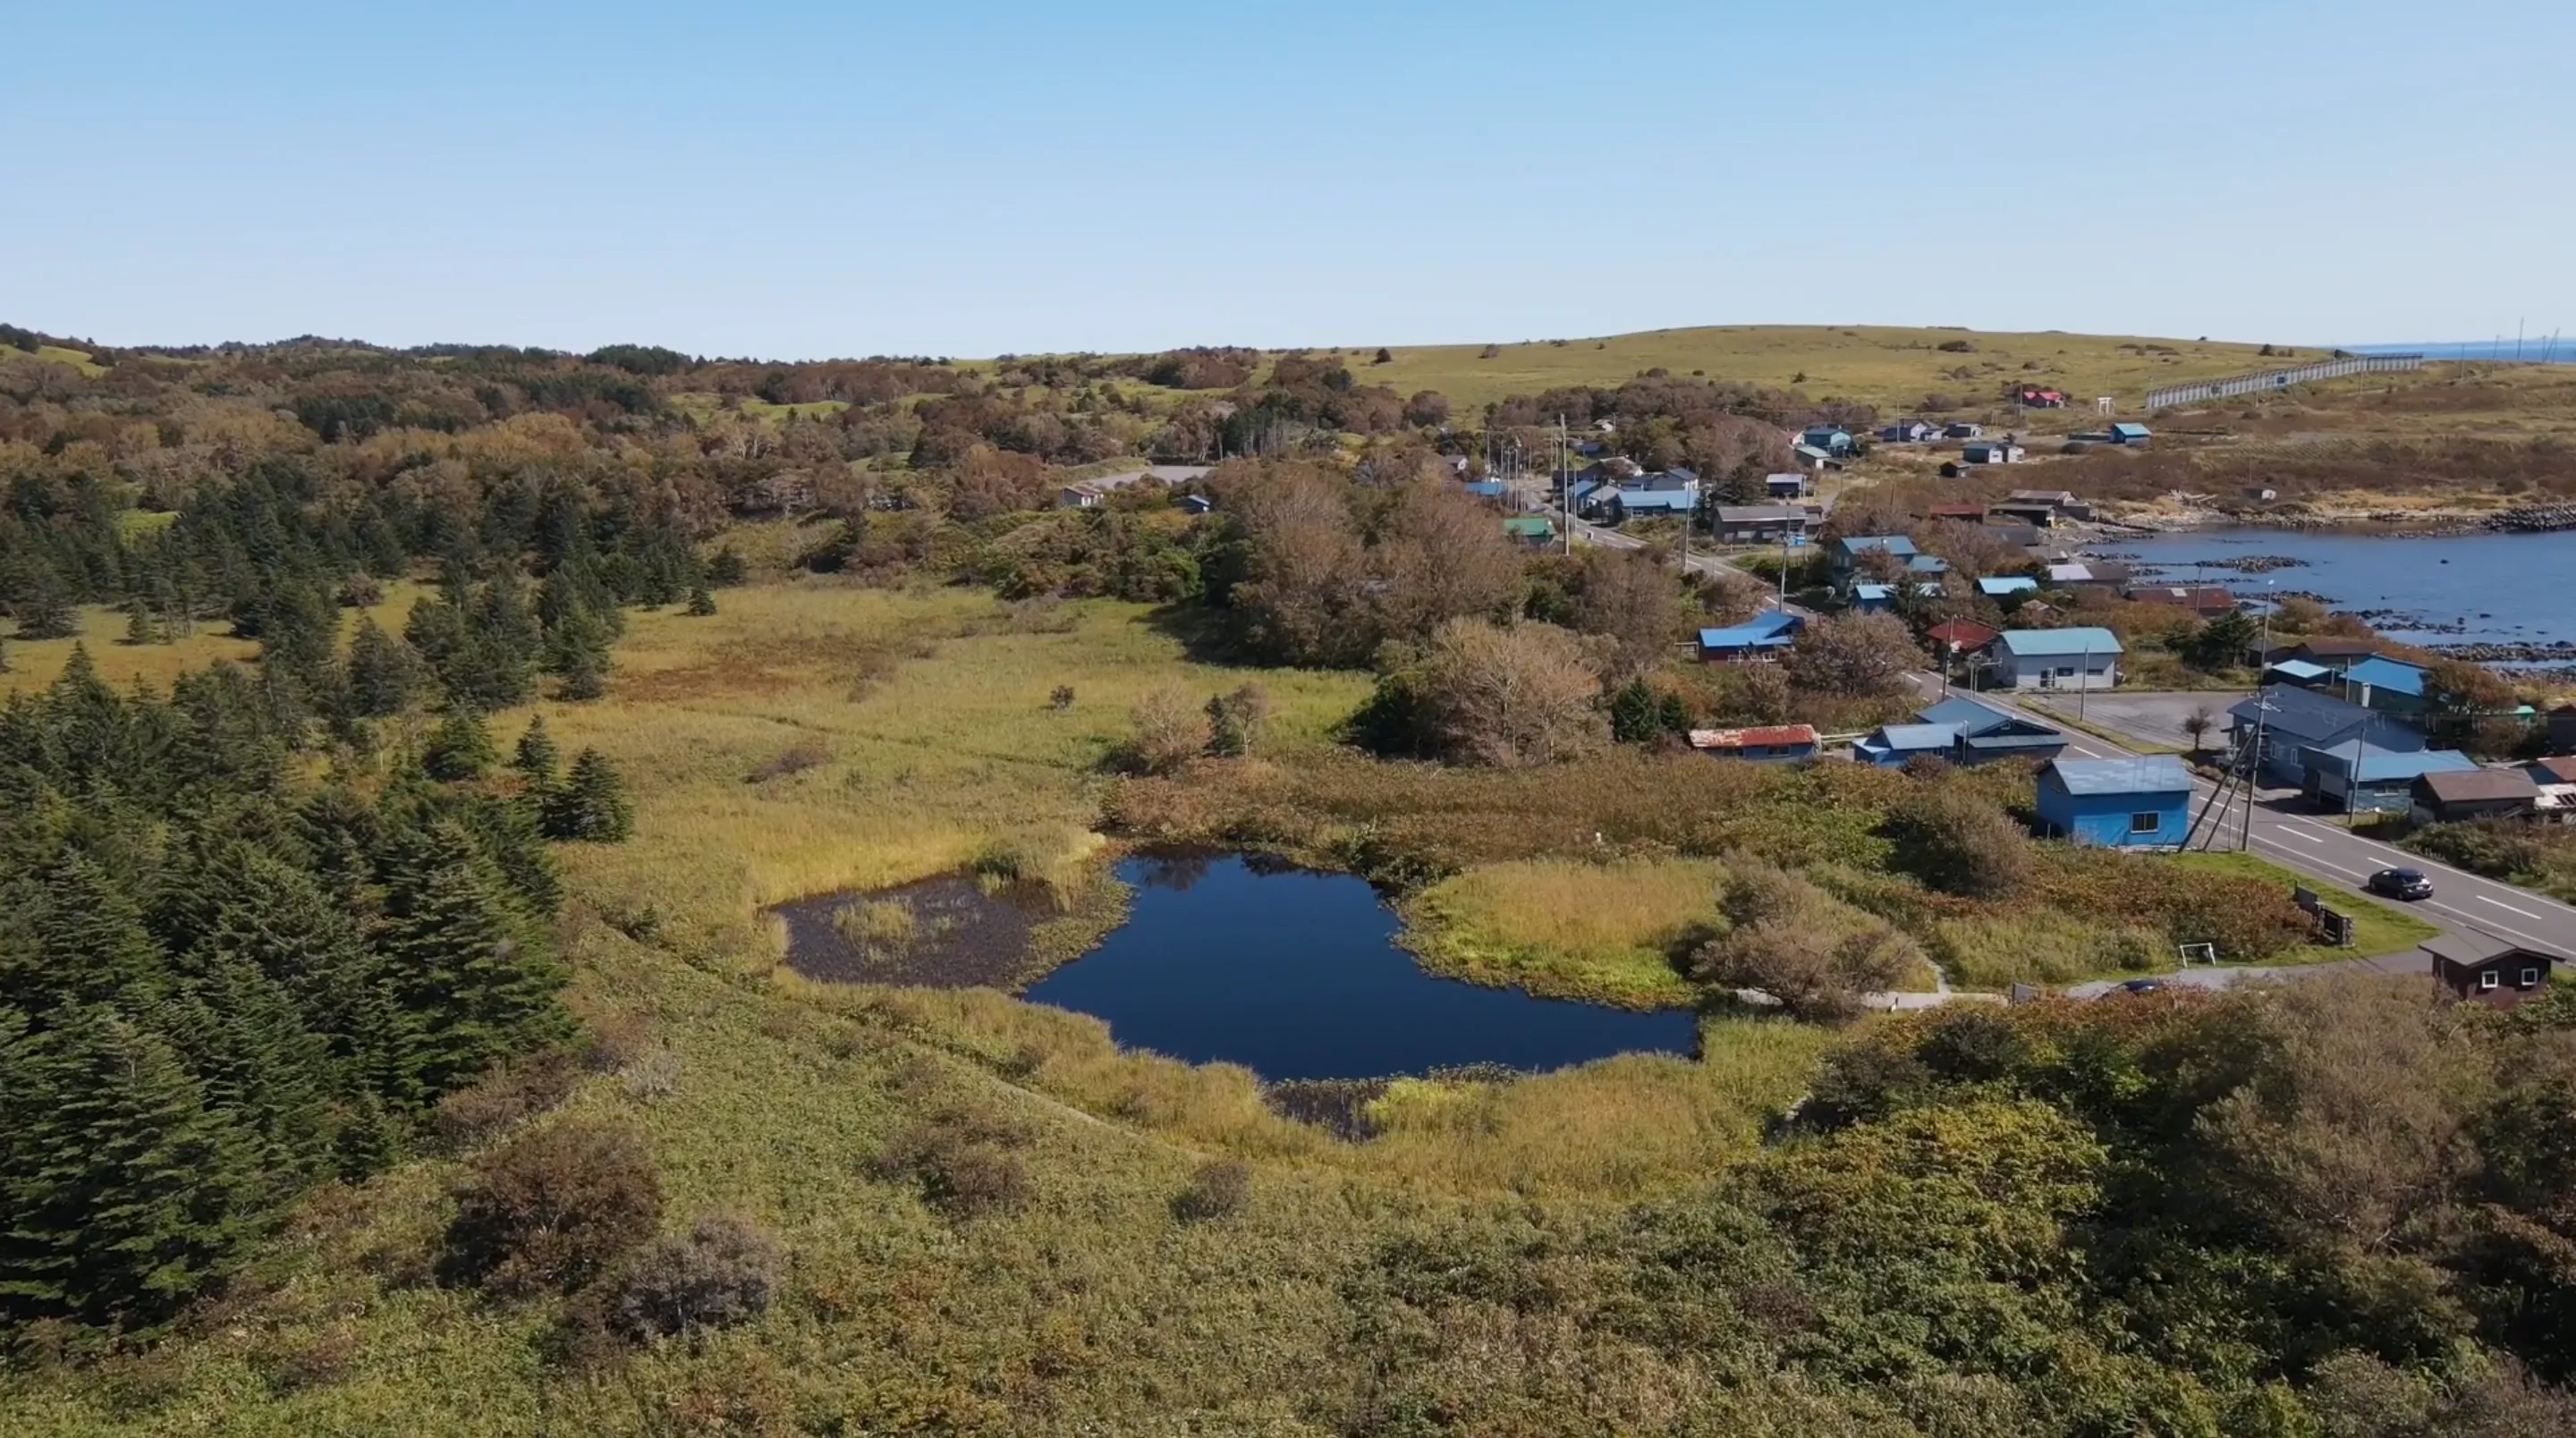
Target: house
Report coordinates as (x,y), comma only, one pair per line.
(1962,513)
(1080,496)
(2562,727)
(1766,635)
(1962,429)
(1986,733)
(1907,431)
(2042,398)
(2391,686)
(1834,440)
(2133,435)
(2474,794)
(2300,672)
(1891,745)
(2205,601)
(2090,574)
(1787,486)
(1588,496)
(1674,503)
(1996,587)
(1667,480)
(1764,523)
(1770,743)
(2067,576)
(1926,564)
(1488,488)
(2478,967)
(2386,781)
(1992,452)
(1873,598)
(1814,458)
(1961,636)
(1615,471)
(2288,720)
(2334,652)
(1844,558)
(2557,769)
(2061,503)
(2133,803)
(1535,530)
(2080,658)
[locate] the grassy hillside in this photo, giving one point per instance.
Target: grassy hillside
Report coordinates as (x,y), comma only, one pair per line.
(1889,366)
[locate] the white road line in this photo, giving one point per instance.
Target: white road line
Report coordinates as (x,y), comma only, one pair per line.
(2508,908)
(2490,926)
(2295,834)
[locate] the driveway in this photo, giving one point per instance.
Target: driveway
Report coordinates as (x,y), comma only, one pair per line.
(2405,961)
(2154,721)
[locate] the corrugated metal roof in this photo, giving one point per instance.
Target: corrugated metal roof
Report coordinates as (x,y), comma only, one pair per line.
(1772,736)
(2384,766)
(2058,643)
(2011,584)
(2394,675)
(1919,736)
(1860,544)
(2306,714)
(2301,669)
(2139,774)
(2478,785)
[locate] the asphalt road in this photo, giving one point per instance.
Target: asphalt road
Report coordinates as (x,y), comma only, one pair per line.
(2335,857)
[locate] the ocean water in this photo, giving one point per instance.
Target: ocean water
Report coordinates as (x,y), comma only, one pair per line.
(2431,590)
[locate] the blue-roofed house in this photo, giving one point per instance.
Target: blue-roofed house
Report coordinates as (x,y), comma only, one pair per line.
(1986,733)
(2280,721)
(1833,439)
(2304,673)
(2130,434)
(2386,782)
(2391,686)
(1927,564)
(1893,744)
(1908,431)
(1588,496)
(1998,586)
(2080,658)
(1766,635)
(1488,488)
(1658,502)
(1867,598)
(2141,802)
(1844,556)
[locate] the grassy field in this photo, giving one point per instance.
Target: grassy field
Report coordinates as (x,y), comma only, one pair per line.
(35,663)
(1891,367)
(1595,931)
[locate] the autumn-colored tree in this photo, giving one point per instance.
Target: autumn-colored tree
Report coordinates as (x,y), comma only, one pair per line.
(1478,693)
(1854,656)
(1632,600)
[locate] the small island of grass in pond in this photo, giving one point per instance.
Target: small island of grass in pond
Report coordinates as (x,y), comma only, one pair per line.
(1296,974)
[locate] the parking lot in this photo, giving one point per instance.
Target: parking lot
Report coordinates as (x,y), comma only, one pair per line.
(2154,721)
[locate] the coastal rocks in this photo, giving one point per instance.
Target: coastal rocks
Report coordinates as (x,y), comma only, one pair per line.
(2555,651)
(2258,563)
(2536,518)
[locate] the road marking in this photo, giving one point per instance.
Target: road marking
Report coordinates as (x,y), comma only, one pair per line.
(2508,908)
(2490,926)
(2295,834)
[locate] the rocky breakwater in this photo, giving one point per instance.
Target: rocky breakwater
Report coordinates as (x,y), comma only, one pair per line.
(2536,518)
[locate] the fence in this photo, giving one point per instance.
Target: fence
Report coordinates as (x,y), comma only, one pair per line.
(2172,395)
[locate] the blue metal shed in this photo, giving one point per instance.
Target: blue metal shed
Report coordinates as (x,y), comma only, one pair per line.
(2133,803)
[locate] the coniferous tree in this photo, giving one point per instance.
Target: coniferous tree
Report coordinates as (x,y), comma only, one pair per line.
(701,603)
(459,748)
(90,945)
(139,625)
(537,757)
(46,615)
(124,1192)
(461,959)
(244,1037)
(577,652)
(591,806)
(726,569)
(383,671)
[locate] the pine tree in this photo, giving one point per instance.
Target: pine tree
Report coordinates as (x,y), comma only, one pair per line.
(460,748)
(383,671)
(244,1037)
(471,983)
(90,946)
(537,756)
(726,569)
(701,603)
(584,677)
(577,651)
(591,806)
(284,923)
(124,1193)
(45,615)
(139,625)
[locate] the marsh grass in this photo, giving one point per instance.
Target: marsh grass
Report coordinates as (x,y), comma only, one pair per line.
(1610,933)
(878,924)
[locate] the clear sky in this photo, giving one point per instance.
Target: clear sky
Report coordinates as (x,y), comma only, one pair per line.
(971,177)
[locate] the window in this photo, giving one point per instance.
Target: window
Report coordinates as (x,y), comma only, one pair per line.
(2530,977)
(2146,823)
(2065,671)
(2490,980)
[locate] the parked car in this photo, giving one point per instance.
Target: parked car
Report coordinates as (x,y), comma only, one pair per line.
(2401,884)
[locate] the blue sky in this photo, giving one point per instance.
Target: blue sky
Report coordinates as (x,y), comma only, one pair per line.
(802,179)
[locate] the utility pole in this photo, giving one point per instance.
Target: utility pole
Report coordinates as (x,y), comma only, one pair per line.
(2352,780)
(2262,707)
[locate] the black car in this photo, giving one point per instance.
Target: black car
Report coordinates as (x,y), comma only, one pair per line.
(2143,986)
(2401,884)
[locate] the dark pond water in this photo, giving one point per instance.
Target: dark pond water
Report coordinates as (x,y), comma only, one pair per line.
(1295,975)
(2435,589)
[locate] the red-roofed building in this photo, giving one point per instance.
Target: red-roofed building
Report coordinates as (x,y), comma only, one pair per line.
(1769,742)
(2043,398)
(1966,636)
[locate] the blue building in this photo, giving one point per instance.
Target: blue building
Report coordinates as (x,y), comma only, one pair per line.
(1766,635)
(1997,588)
(1675,502)
(2386,782)
(1962,731)
(1846,553)
(1832,439)
(1488,488)
(2289,721)
(2391,686)
(2134,803)
(2130,434)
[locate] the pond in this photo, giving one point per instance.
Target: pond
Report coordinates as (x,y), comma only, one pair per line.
(1295,974)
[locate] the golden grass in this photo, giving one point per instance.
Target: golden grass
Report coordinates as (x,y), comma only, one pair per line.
(1889,366)
(1568,929)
